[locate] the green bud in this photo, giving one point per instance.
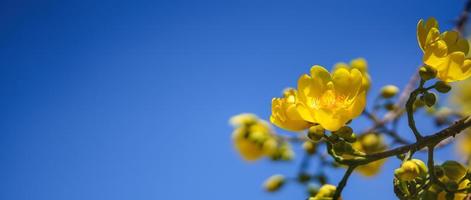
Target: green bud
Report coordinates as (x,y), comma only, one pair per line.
(340,148)
(346,133)
(352,138)
(442,87)
(316,133)
(274,183)
(430,99)
(389,91)
(427,73)
(438,171)
(454,170)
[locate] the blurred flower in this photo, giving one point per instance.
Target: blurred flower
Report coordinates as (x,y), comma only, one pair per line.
(254,138)
(325,192)
(389,91)
(444,52)
(368,144)
(331,100)
(461,97)
(274,183)
(284,113)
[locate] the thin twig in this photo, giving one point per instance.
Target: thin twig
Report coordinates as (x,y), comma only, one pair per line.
(343,182)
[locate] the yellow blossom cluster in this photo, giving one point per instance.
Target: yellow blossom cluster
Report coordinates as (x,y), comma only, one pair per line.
(444,52)
(328,99)
(254,138)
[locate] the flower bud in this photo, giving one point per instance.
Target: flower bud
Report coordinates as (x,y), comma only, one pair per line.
(438,171)
(344,132)
(430,99)
(316,133)
(325,192)
(442,87)
(309,147)
(454,170)
(427,73)
(389,91)
(410,170)
(342,147)
(274,183)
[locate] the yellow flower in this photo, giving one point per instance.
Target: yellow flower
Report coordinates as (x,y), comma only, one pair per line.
(331,100)
(444,52)
(362,66)
(461,97)
(325,192)
(284,113)
(274,183)
(368,144)
(463,144)
(410,170)
(253,137)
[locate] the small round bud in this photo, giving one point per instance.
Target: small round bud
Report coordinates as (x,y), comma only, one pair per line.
(430,99)
(309,147)
(389,91)
(454,170)
(344,132)
(316,133)
(352,138)
(442,87)
(274,183)
(427,73)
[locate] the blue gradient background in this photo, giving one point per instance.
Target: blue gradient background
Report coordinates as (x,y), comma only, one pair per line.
(131,99)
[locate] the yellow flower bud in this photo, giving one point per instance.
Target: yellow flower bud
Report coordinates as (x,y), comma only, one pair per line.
(410,170)
(309,147)
(274,183)
(325,192)
(389,91)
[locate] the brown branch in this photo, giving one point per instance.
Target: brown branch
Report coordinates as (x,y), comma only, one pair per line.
(450,131)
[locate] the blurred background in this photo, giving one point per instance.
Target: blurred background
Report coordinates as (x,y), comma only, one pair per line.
(131,99)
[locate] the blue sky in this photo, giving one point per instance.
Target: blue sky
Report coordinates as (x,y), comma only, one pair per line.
(131,99)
